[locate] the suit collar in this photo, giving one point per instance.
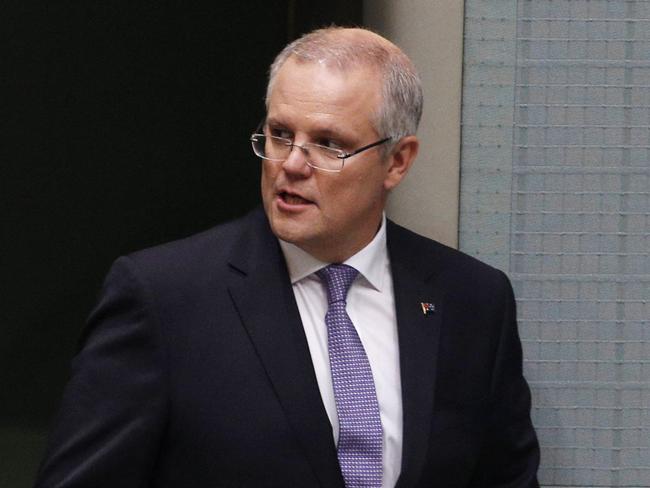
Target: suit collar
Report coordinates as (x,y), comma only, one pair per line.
(260,288)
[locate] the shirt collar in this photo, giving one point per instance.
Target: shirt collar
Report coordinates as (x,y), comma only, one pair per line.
(369,261)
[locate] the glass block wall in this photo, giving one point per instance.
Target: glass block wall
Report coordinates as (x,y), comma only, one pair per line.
(555,190)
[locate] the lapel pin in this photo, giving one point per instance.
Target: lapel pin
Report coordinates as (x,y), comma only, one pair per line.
(428,308)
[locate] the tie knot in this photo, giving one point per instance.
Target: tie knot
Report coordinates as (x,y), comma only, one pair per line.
(337,279)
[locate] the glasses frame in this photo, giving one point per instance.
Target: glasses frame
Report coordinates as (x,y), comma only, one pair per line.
(290,144)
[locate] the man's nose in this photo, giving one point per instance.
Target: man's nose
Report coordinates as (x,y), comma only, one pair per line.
(296,162)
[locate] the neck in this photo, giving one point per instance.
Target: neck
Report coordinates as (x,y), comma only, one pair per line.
(338,252)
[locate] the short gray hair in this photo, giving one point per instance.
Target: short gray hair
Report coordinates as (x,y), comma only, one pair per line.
(400,108)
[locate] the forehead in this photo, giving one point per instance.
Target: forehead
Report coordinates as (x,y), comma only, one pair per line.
(316,92)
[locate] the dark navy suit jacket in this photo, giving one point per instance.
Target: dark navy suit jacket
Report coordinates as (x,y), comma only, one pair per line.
(194,371)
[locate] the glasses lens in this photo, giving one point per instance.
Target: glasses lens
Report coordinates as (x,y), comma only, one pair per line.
(269,147)
(323,157)
(278,149)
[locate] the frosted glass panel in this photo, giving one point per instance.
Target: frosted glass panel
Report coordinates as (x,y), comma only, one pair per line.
(555,190)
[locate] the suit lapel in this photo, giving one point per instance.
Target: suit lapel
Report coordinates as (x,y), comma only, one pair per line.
(262,293)
(414,280)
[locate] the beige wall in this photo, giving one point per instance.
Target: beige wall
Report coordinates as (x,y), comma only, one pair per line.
(431,33)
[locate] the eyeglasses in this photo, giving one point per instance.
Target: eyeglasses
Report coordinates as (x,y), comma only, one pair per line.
(324,158)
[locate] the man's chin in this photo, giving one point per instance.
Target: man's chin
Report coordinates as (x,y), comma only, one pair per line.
(290,228)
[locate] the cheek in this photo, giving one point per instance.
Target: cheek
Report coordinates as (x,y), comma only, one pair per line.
(266,169)
(344,201)
(269,173)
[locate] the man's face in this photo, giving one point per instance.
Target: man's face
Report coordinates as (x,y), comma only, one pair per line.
(329,215)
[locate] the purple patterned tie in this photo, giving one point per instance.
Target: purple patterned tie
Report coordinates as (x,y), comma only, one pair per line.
(360,432)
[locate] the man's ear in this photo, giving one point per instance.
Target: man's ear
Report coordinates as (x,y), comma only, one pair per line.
(400,161)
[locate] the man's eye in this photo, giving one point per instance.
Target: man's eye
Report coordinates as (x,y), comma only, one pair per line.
(329,143)
(281,133)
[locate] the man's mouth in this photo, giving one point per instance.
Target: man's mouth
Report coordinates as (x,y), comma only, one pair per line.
(293,199)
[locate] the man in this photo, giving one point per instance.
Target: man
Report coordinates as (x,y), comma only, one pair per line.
(314,344)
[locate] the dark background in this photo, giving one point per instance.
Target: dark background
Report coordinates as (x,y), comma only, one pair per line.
(124,125)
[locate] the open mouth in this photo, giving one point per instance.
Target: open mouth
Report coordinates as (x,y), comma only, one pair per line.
(293,199)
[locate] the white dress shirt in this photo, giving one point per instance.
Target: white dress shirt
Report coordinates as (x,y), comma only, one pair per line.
(371,307)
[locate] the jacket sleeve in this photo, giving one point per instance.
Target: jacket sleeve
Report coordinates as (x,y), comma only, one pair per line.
(113,412)
(510,454)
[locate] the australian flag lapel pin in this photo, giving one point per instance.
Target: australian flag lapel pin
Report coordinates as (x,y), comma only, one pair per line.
(428,308)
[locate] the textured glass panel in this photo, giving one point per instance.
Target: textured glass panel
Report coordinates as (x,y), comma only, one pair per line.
(555,189)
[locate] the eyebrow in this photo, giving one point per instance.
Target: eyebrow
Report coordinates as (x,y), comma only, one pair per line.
(323,131)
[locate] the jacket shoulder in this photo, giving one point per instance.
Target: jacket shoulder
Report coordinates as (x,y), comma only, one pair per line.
(419,251)
(203,254)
